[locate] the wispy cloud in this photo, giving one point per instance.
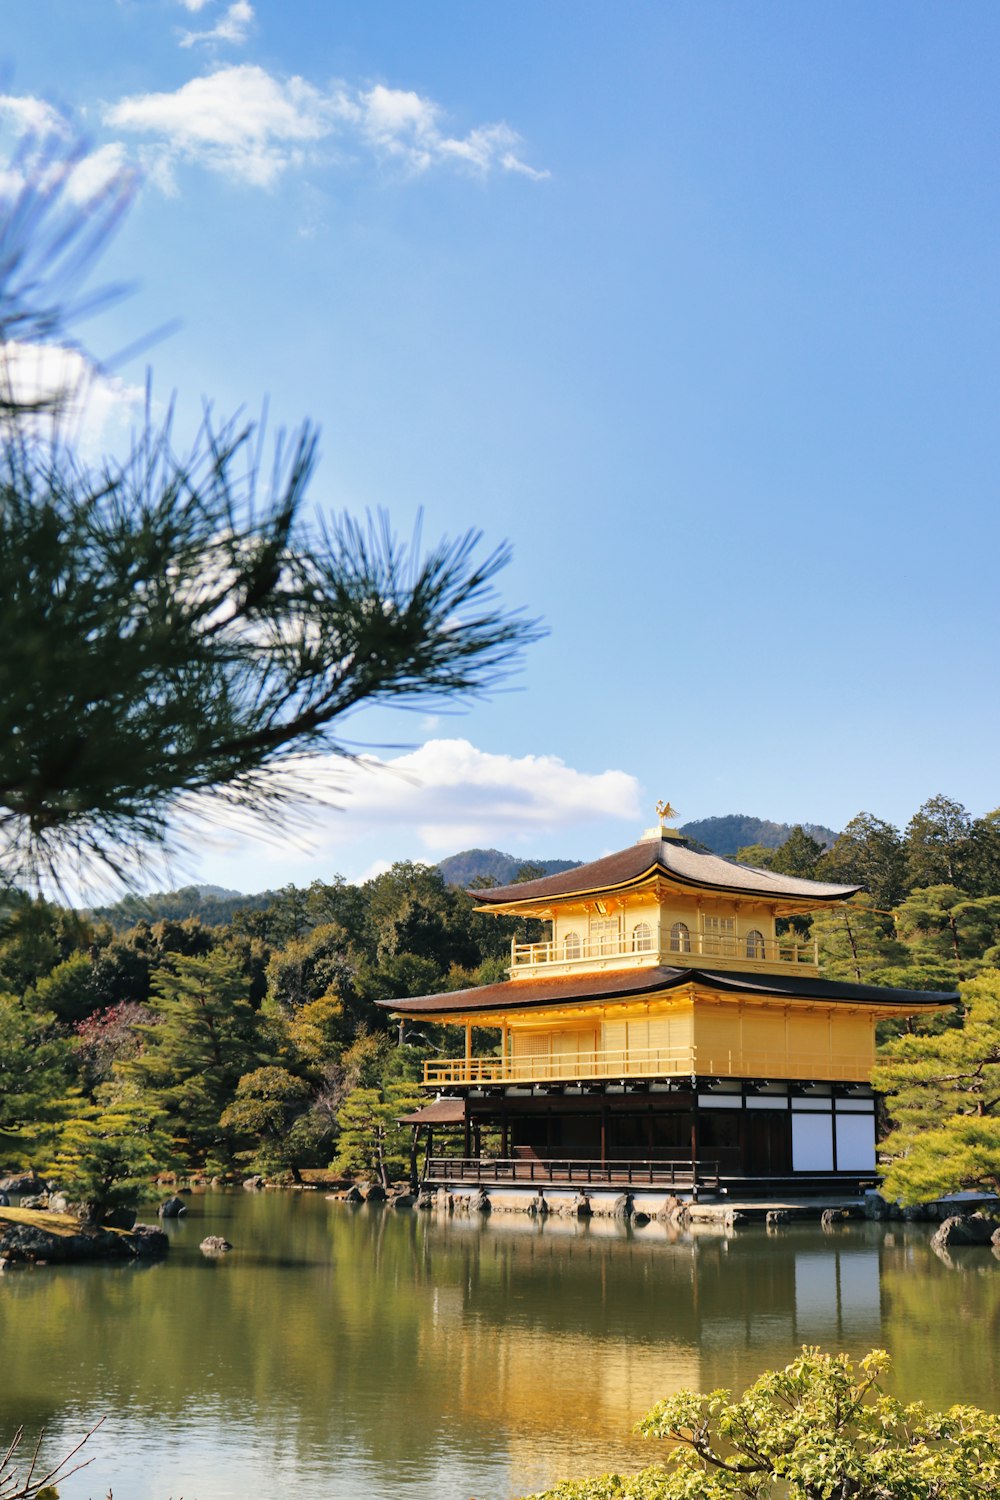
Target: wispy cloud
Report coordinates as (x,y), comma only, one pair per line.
(195,5)
(234,27)
(450,793)
(244,122)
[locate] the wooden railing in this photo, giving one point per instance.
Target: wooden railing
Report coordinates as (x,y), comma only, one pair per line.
(653,1062)
(571,1172)
(661,947)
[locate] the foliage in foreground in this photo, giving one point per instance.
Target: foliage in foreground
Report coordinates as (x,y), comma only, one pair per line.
(820,1429)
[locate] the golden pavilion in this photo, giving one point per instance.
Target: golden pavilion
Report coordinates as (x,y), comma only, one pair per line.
(662,1034)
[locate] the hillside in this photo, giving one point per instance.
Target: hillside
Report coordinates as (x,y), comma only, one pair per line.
(473,864)
(212,903)
(735,831)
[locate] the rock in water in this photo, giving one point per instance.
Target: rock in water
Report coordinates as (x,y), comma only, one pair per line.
(147,1242)
(172,1208)
(214,1244)
(964,1229)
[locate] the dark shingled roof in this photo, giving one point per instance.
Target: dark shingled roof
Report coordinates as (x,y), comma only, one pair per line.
(531,994)
(678,862)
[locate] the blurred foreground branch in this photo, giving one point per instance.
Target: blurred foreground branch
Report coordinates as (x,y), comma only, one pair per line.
(173,625)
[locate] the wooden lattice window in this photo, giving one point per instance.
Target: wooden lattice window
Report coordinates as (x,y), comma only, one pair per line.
(755,945)
(642,938)
(680,938)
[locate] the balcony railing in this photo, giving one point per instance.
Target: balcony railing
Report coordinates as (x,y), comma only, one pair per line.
(573,1172)
(678,952)
(612,1064)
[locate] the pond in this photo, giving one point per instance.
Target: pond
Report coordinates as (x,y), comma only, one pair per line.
(343,1352)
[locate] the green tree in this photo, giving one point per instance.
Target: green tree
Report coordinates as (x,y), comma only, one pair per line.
(820,1429)
(983,870)
(203,1038)
(938,844)
(868,853)
(856,943)
(370,1140)
(109,1152)
(35,1075)
(262,1117)
(798,855)
(943,1095)
(946,932)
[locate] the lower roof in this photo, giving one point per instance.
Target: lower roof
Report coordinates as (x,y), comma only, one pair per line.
(440,1112)
(623,984)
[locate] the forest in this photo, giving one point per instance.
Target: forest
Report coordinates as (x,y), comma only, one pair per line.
(255,1045)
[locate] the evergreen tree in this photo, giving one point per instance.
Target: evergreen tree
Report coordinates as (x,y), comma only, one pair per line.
(109,1152)
(262,1117)
(35,1075)
(868,853)
(855,943)
(944,1101)
(798,855)
(203,1038)
(946,932)
(938,844)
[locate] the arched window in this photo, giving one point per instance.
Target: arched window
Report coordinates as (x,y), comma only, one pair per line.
(755,944)
(680,938)
(571,945)
(642,938)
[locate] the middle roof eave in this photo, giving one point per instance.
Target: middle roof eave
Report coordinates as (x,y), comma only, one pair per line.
(535,994)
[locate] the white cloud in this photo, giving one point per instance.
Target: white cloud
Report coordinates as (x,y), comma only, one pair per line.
(195,5)
(239,121)
(100,408)
(95,171)
(451,794)
(244,122)
(234,27)
(27,115)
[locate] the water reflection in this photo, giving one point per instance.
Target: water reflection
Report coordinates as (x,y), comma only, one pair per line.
(362,1351)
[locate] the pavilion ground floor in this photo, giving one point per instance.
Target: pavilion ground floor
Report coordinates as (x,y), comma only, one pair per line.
(696,1136)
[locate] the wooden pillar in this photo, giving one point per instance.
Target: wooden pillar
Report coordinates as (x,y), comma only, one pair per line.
(504,1133)
(694,1143)
(477,1140)
(468,1055)
(413,1158)
(467,1140)
(428,1151)
(503,1048)
(604,1131)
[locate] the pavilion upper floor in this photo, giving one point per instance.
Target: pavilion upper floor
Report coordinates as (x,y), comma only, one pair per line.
(661,901)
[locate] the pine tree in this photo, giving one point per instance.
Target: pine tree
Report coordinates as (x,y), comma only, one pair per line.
(944,1102)
(203,1038)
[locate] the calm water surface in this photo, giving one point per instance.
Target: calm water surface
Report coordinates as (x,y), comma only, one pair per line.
(344,1352)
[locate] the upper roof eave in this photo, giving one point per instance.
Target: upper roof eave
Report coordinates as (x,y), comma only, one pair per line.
(671,859)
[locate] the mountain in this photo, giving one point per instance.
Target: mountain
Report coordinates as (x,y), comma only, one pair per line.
(214,904)
(473,864)
(735,831)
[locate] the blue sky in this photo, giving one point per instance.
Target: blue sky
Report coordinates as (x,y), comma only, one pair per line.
(696,304)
